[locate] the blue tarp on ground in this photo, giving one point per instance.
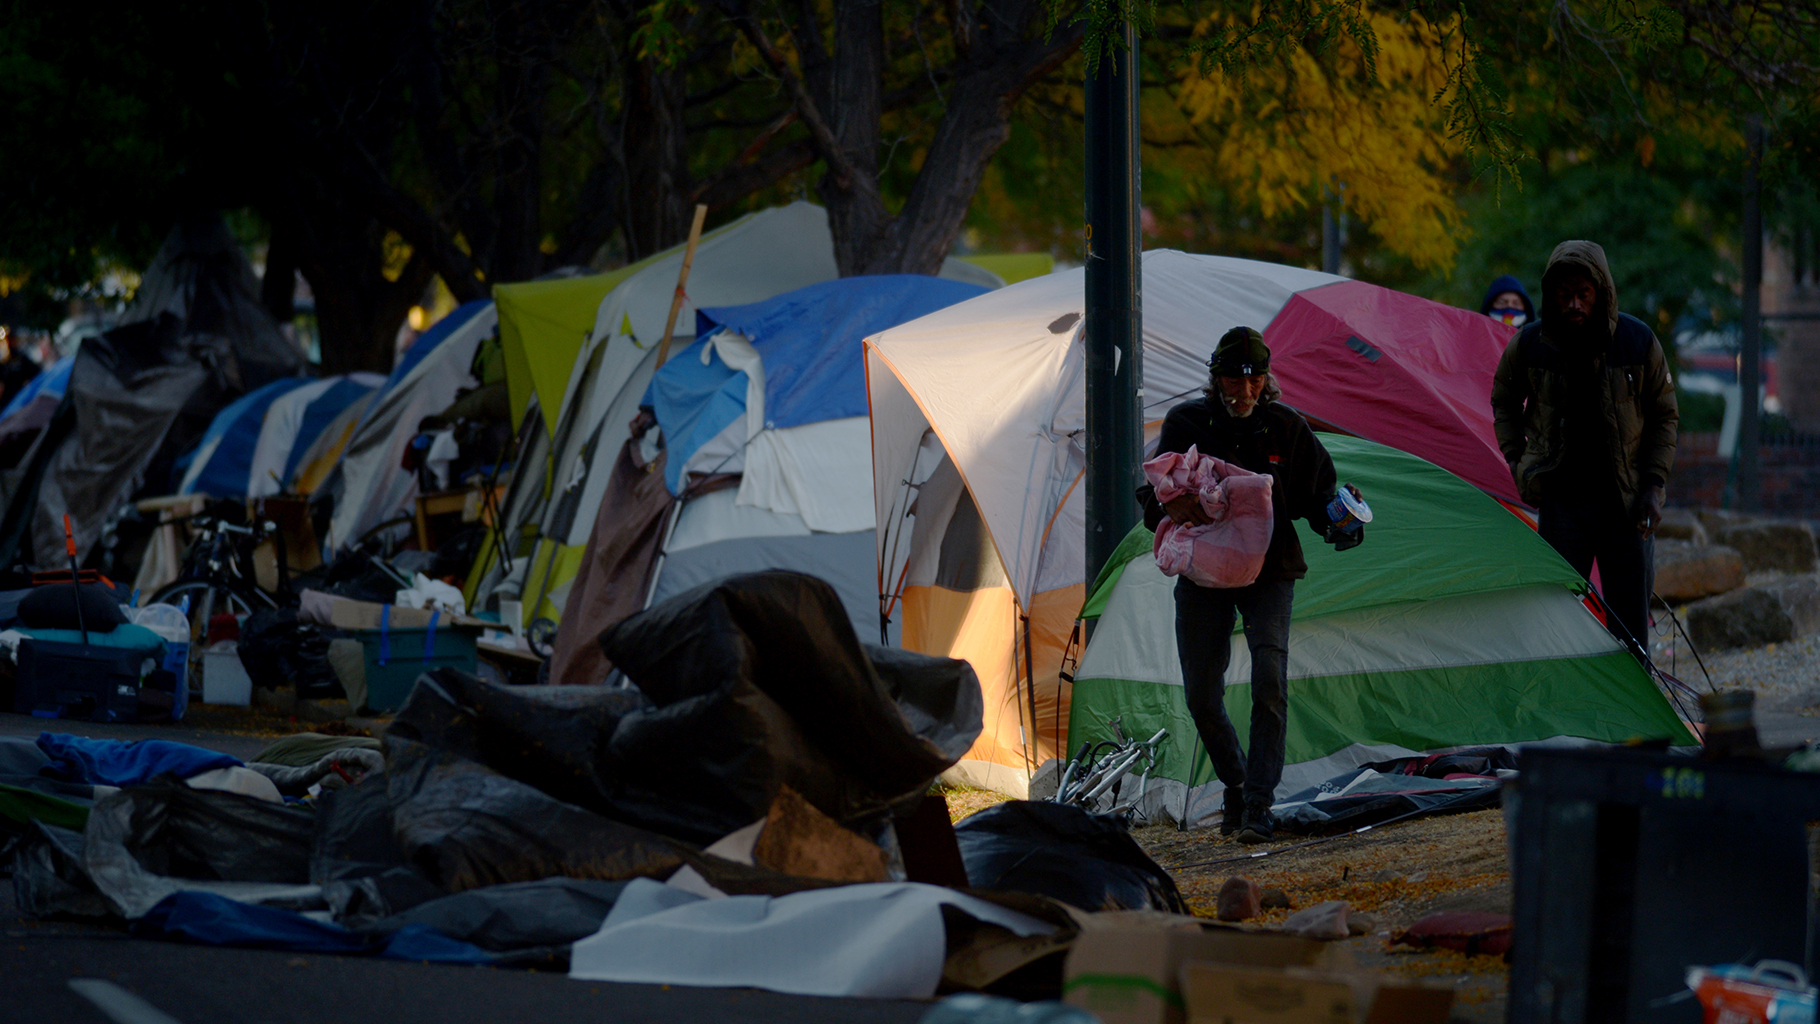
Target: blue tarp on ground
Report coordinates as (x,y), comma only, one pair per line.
(55,380)
(211,920)
(119,763)
(809,341)
(221,462)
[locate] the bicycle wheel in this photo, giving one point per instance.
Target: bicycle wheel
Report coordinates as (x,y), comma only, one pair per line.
(207,599)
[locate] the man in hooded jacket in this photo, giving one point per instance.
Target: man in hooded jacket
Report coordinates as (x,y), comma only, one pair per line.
(1584,409)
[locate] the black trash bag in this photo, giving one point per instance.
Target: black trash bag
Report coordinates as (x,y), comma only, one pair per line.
(465,826)
(519,915)
(757,681)
(217,836)
(354,832)
(278,651)
(352,574)
(49,876)
(1085,860)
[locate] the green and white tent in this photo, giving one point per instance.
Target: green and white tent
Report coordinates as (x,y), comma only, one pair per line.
(1454,624)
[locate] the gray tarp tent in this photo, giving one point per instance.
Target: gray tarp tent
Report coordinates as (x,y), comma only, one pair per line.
(195,337)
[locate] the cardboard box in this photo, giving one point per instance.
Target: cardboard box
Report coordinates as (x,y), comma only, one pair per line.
(1143,967)
(1126,966)
(1219,993)
(347,613)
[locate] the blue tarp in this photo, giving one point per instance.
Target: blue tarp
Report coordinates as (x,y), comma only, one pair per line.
(55,380)
(211,920)
(118,763)
(226,448)
(809,341)
(319,415)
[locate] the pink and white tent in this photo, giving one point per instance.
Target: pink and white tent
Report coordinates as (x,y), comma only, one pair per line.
(978,420)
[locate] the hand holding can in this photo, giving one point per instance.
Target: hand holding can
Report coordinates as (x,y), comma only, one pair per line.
(1348,511)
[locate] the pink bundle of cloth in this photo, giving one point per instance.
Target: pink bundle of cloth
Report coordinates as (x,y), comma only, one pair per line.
(1229,551)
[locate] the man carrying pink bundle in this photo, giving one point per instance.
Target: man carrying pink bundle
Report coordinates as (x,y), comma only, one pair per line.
(1240,421)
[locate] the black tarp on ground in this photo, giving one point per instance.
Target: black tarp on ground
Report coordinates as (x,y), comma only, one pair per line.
(1397,788)
(1057,850)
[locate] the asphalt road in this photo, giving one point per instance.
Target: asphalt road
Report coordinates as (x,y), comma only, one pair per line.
(199,985)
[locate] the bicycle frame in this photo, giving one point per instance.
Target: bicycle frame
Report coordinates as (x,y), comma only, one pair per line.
(1089,777)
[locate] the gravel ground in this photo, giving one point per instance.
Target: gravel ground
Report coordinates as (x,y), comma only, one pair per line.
(1396,874)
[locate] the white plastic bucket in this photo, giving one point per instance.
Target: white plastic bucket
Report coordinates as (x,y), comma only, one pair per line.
(173,627)
(224,679)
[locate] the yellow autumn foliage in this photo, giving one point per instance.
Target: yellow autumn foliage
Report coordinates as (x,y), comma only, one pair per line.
(1284,131)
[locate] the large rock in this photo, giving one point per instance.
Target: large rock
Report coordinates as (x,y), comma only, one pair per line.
(1800,600)
(1770,545)
(1753,616)
(1716,519)
(1750,617)
(1688,572)
(1681,524)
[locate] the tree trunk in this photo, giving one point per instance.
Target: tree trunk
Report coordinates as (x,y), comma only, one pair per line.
(339,248)
(519,99)
(278,288)
(657,211)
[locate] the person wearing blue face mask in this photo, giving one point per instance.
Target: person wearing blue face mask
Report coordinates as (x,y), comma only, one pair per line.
(1507,302)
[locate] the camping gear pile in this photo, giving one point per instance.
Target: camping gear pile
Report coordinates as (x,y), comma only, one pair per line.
(752,811)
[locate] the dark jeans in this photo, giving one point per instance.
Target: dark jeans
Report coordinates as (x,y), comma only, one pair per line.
(1203,639)
(1605,532)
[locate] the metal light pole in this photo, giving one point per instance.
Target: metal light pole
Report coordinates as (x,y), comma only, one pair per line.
(1115,322)
(1750,489)
(1330,231)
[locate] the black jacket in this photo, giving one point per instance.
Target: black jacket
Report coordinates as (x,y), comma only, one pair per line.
(1275,439)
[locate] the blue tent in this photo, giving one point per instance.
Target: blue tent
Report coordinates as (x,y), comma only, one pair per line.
(222,461)
(294,421)
(54,381)
(808,341)
(320,414)
(427,343)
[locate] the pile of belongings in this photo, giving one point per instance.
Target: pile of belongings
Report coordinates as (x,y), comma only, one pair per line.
(46,629)
(754,811)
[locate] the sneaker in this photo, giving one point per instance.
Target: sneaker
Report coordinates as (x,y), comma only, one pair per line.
(1259,826)
(1233,814)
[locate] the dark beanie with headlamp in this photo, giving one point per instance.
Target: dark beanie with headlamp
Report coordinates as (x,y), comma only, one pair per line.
(1240,353)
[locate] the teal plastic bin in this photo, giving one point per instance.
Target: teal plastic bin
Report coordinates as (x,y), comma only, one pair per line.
(396,657)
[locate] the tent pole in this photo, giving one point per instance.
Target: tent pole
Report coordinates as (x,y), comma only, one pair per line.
(1113,331)
(1034,748)
(682,282)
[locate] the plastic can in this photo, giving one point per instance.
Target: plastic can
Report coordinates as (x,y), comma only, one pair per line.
(1347,512)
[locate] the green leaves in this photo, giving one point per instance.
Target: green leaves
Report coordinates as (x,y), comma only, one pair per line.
(658,35)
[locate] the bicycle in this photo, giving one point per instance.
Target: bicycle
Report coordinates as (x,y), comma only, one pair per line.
(1095,771)
(216,577)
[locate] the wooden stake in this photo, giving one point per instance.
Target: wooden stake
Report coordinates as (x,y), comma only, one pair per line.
(682,281)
